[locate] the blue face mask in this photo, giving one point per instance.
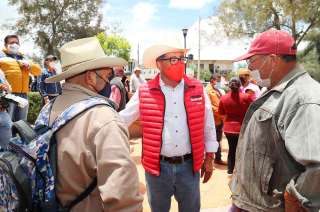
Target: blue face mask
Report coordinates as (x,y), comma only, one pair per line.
(106,89)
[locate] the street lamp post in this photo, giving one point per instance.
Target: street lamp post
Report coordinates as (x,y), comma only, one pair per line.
(185,32)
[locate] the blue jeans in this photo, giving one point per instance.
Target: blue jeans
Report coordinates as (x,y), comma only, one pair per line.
(178,180)
(5,128)
(18,113)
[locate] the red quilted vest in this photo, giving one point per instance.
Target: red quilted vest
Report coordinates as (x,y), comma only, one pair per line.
(152,110)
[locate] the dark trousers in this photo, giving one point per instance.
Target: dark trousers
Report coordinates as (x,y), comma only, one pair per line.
(17,113)
(176,180)
(232,141)
(219,138)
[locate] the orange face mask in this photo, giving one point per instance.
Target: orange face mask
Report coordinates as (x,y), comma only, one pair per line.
(175,72)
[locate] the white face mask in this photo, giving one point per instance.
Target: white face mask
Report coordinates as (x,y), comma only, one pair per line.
(13,48)
(255,74)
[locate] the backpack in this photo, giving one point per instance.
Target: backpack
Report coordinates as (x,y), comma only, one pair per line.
(28,165)
(124,94)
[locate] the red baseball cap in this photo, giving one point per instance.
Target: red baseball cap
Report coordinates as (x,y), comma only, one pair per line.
(271,42)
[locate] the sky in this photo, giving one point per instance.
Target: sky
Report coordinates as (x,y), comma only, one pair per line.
(143,22)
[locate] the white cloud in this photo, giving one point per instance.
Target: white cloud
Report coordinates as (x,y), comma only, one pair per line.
(189,4)
(143,13)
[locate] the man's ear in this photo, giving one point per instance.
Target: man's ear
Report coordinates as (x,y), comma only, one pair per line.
(90,77)
(158,64)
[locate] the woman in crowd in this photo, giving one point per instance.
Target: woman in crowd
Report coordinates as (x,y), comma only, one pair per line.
(233,107)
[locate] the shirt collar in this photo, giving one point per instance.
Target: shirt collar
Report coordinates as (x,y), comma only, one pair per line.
(162,84)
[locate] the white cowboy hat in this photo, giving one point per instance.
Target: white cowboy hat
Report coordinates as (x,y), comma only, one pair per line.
(137,68)
(84,54)
(152,53)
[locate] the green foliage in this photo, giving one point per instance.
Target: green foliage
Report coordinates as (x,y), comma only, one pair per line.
(115,45)
(52,23)
(231,74)
(247,17)
(311,64)
(34,106)
(204,75)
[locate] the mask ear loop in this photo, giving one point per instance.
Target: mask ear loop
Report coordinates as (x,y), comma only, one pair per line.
(272,70)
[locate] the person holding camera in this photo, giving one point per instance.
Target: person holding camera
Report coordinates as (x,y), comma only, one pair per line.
(5,120)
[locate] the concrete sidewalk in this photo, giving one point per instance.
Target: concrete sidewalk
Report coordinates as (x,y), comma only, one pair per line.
(215,195)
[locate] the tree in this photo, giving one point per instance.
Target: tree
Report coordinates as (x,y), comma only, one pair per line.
(247,17)
(51,23)
(115,45)
(311,62)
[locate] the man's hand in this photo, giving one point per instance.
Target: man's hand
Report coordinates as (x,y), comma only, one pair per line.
(24,64)
(46,99)
(4,87)
(207,167)
(292,204)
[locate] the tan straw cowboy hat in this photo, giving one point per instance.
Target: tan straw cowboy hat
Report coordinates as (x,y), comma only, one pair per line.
(84,54)
(152,53)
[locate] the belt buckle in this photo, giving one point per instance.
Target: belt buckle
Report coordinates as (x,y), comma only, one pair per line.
(178,159)
(182,159)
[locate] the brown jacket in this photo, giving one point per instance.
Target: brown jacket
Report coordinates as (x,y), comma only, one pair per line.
(95,143)
(214,96)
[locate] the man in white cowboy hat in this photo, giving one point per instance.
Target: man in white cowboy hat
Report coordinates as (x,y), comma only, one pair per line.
(95,143)
(178,131)
(136,79)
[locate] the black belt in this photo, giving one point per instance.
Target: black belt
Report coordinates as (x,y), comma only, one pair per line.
(176,159)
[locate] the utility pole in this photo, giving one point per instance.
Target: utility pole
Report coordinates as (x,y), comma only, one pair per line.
(185,32)
(138,53)
(198,72)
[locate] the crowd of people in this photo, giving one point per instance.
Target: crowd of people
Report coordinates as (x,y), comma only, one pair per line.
(268,113)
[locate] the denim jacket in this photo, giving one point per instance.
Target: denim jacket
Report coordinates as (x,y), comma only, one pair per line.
(279,147)
(48,89)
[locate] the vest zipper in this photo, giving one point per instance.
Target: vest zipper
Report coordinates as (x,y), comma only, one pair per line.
(185,108)
(164,112)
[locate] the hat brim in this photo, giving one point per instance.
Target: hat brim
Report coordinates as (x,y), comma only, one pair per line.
(51,57)
(244,57)
(150,55)
(137,69)
(106,61)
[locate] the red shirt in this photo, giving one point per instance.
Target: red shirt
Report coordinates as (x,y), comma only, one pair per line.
(234,107)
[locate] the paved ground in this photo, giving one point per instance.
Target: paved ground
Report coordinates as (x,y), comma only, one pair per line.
(215,195)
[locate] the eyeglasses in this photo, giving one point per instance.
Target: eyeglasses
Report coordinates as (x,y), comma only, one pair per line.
(249,61)
(175,60)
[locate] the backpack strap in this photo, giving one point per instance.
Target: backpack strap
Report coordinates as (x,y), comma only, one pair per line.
(76,109)
(83,195)
(24,130)
(65,117)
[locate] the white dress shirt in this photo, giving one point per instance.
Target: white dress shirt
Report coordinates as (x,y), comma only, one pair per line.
(175,134)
